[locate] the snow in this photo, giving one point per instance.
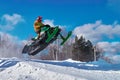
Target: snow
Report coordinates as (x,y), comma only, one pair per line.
(18,69)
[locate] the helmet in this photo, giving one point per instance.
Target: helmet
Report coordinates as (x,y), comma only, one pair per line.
(39,18)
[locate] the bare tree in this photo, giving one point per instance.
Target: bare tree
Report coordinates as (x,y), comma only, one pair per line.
(9,46)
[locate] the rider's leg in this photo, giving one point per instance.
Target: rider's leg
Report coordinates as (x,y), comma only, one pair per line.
(37,37)
(38,34)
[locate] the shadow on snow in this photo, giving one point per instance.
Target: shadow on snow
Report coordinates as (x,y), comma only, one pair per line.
(5,63)
(83,65)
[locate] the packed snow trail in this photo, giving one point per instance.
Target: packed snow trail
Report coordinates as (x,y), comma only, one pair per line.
(15,69)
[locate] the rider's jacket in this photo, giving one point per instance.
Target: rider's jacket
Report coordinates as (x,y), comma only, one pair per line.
(38,25)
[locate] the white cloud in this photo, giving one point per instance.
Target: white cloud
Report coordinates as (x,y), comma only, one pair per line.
(6,36)
(110,48)
(8,22)
(116,59)
(51,23)
(97,31)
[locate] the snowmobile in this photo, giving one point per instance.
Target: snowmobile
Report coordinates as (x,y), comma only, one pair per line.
(49,36)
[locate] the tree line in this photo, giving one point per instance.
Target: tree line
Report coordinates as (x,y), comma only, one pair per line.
(79,49)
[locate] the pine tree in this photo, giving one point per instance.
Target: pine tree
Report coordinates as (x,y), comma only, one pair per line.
(83,50)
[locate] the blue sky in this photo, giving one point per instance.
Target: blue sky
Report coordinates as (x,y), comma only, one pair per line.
(70,13)
(97,20)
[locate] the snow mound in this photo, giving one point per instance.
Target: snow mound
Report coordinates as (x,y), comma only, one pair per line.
(16,69)
(24,71)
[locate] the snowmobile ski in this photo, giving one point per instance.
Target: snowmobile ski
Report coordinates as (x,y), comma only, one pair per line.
(65,38)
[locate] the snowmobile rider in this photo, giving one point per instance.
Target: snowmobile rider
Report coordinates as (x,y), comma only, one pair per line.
(37,26)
